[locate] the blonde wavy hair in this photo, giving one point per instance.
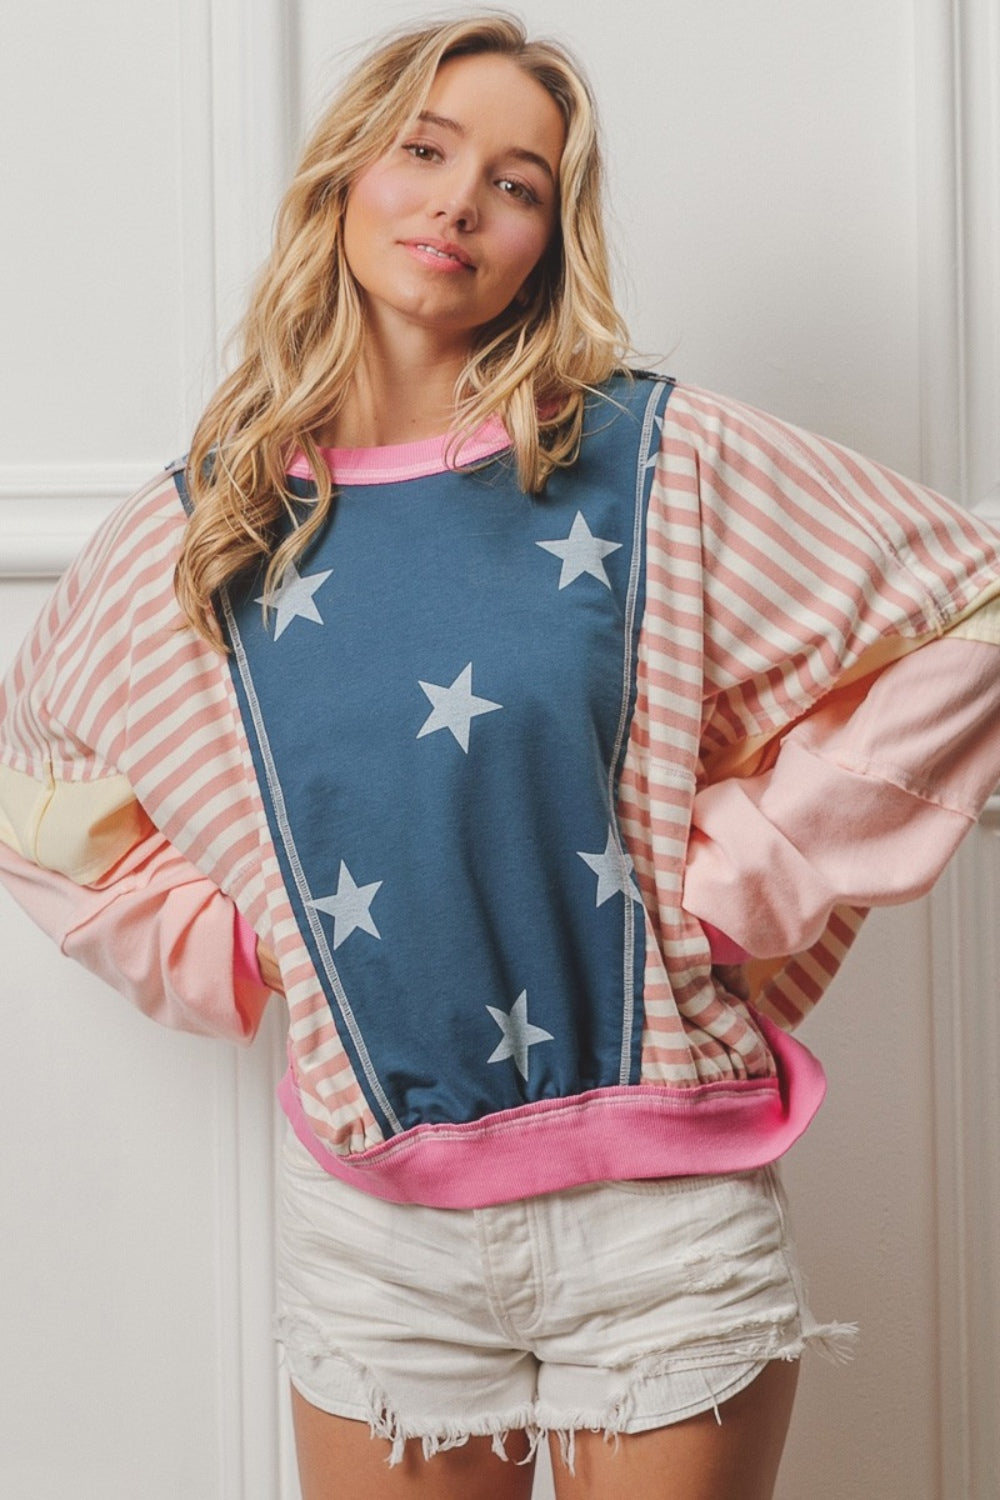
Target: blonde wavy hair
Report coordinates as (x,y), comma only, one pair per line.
(303,332)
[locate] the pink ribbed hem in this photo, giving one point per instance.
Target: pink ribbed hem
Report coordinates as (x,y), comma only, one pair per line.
(609,1134)
(399,461)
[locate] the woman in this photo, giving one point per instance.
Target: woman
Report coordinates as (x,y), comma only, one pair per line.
(495,705)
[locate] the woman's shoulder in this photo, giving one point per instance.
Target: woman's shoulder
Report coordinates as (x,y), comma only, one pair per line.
(143,529)
(124,572)
(791,510)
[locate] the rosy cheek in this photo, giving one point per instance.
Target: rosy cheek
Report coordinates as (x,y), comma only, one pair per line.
(381,193)
(523,246)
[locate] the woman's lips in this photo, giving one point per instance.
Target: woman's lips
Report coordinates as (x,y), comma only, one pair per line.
(439,254)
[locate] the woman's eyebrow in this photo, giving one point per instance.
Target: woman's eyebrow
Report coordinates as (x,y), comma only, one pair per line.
(519,153)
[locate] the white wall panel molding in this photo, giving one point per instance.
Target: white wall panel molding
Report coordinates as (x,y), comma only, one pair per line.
(196,208)
(958,115)
(234,156)
(978,56)
(958,150)
(234,151)
(942,381)
(47,511)
(252,139)
(248,1133)
(966,965)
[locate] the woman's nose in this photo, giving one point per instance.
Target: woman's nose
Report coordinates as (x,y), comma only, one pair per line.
(457,203)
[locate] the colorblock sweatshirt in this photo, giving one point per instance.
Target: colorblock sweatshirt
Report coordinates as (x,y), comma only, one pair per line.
(501,780)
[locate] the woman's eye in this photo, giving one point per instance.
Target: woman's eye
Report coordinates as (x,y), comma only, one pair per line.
(517,190)
(421,151)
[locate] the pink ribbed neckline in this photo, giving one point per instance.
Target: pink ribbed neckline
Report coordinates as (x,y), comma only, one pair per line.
(399,461)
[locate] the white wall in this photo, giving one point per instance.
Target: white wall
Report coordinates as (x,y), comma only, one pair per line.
(786,206)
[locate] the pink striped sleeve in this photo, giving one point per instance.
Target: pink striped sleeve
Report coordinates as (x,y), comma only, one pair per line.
(109,705)
(811,555)
(866,802)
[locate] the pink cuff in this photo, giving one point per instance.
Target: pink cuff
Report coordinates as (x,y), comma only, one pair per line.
(245,965)
(724,950)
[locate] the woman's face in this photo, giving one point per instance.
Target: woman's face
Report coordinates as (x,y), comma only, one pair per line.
(444,230)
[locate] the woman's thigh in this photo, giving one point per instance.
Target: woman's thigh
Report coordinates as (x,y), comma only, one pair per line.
(702,1458)
(340,1460)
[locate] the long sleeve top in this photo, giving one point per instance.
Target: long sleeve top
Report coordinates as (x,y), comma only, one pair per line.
(801,724)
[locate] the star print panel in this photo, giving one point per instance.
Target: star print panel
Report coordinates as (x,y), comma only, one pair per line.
(440,752)
(295,599)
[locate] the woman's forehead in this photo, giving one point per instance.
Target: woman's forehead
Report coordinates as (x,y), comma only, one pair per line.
(489,95)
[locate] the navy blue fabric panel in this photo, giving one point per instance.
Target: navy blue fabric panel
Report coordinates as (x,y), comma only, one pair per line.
(439,710)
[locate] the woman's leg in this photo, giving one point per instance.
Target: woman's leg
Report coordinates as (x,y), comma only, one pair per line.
(697,1459)
(340,1460)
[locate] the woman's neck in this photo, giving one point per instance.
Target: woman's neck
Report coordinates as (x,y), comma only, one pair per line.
(399,400)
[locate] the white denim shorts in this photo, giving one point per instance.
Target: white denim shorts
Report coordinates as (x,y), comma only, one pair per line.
(614,1306)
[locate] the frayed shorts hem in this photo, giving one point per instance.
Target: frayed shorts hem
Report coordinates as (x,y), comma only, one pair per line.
(537,1425)
(539,1420)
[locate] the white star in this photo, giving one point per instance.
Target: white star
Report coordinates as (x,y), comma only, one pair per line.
(518,1034)
(349,907)
(613,871)
(294,598)
(581,552)
(455,707)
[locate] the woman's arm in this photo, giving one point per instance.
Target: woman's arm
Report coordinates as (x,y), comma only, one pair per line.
(156,930)
(267,968)
(111,693)
(867,800)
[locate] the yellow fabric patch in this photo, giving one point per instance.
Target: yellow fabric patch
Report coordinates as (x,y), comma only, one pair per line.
(981,622)
(751,756)
(77,828)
